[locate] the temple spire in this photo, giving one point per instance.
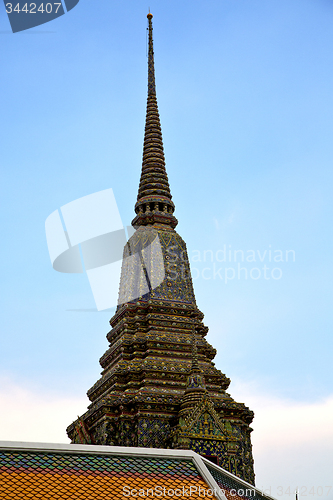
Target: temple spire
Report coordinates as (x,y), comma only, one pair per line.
(195,380)
(195,364)
(195,385)
(151,65)
(154,205)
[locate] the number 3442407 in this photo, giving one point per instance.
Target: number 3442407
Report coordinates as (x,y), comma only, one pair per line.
(32,8)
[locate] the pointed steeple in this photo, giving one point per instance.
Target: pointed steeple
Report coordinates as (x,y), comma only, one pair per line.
(195,380)
(197,417)
(154,205)
(195,364)
(195,385)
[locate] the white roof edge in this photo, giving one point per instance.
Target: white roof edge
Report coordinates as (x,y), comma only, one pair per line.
(92,448)
(227,473)
(218,493)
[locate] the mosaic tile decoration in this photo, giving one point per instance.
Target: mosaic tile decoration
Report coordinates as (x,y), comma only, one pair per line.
(138,400)
(34,475)
(233,489)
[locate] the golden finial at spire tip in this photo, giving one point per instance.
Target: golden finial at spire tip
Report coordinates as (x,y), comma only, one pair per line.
(150,15)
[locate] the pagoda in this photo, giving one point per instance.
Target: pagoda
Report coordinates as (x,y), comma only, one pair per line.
(159,387)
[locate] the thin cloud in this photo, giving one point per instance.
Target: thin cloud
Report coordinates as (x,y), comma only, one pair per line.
(292,443)
(35,416)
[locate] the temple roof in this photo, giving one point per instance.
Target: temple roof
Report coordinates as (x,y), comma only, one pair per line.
(67,472)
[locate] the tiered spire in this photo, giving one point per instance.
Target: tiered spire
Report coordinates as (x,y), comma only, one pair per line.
(195,385)
(157,388)
(154,203)
(195,364)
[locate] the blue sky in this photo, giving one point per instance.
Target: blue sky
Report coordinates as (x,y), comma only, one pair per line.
(245,97)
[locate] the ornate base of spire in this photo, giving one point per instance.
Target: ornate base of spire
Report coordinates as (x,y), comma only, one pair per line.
(159,388)
(218,430)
